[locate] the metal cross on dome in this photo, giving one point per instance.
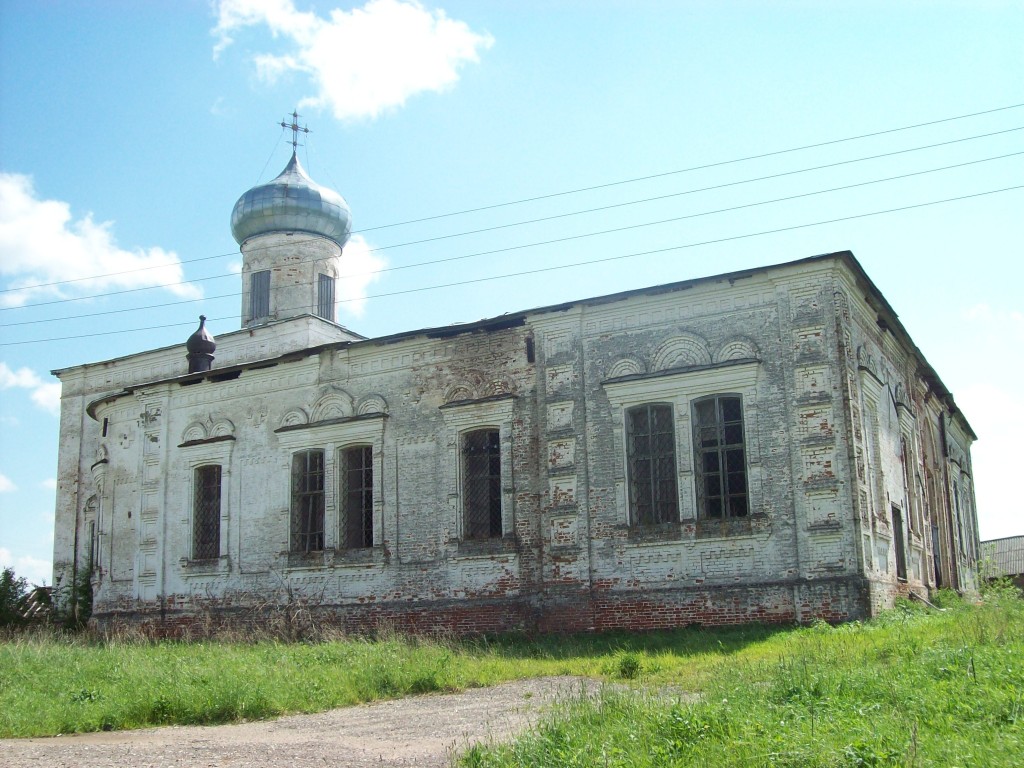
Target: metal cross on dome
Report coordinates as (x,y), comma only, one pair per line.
(296,129)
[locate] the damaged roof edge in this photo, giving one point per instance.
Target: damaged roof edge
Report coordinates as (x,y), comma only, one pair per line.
(518,319)
(501,322)
(221,336)
(213,373)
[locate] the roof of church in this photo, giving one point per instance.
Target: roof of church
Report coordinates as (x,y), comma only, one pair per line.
(292,202)
(887,317)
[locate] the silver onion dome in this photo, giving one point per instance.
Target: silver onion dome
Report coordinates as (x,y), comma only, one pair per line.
(292,202)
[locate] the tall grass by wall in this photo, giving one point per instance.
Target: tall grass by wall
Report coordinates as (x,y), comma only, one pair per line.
(915,687)
(52,686)
(54,683)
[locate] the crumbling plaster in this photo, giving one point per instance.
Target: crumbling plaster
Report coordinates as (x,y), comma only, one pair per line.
(834,405)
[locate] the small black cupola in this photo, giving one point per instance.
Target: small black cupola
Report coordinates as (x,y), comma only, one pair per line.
(201,346)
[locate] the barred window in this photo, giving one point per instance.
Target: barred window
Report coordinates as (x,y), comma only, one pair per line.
(357,497)
(308,501)
(325,298)
(720,457)
(651,459)
(899,542)
(259,294)
(206,513)
(481,484)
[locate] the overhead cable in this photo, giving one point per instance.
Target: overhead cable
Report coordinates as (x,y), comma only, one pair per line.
(539,243)
(587,262)
(299,241)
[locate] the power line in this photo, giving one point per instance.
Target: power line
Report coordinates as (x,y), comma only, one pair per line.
(69,299)
(690,191)
(122,310)
(694,168)
(482,230)
(587,262)
(547,242)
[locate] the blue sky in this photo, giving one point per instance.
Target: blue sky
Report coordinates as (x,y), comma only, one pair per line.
(128,130)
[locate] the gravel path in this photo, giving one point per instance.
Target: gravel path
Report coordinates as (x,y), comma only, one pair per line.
(422,731)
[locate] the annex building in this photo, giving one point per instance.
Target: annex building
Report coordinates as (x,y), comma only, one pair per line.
(766,445)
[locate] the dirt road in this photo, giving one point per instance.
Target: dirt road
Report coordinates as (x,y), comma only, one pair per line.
(422,731)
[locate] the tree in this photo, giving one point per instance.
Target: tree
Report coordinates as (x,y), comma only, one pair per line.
(13,596)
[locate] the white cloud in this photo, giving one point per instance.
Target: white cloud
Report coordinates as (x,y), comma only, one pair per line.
(361,62)
(41,243)
(217,108)
(6,484)
(991,394)
(361,267)
(997,415)
(49,483)
(1006,323)
(32,569)
(45,394)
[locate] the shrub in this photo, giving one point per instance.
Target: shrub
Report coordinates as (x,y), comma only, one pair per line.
(13,596)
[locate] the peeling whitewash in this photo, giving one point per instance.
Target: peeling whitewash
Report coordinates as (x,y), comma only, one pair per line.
(856,465)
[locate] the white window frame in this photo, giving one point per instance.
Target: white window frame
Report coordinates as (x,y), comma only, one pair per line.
(220,507)
(331,437)
(212,451)
(470,416)
(342,500)
(679,389)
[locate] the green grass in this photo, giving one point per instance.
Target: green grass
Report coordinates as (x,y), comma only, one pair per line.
(913,688)
(53,684)
(49,687)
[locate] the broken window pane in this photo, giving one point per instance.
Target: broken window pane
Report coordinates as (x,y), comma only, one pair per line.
(308,501)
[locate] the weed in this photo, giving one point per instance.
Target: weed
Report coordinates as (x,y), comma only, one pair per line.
(628,665)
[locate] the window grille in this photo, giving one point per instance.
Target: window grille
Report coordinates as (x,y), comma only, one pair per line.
(206,513)
(651,458)
(719,449)
(308,501)
(357,489)
(481,484)
(900,544)
(325,298)
(936,556)
(93,547)
(259,294)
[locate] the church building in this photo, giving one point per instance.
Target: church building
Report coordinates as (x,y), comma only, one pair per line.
(767,445)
